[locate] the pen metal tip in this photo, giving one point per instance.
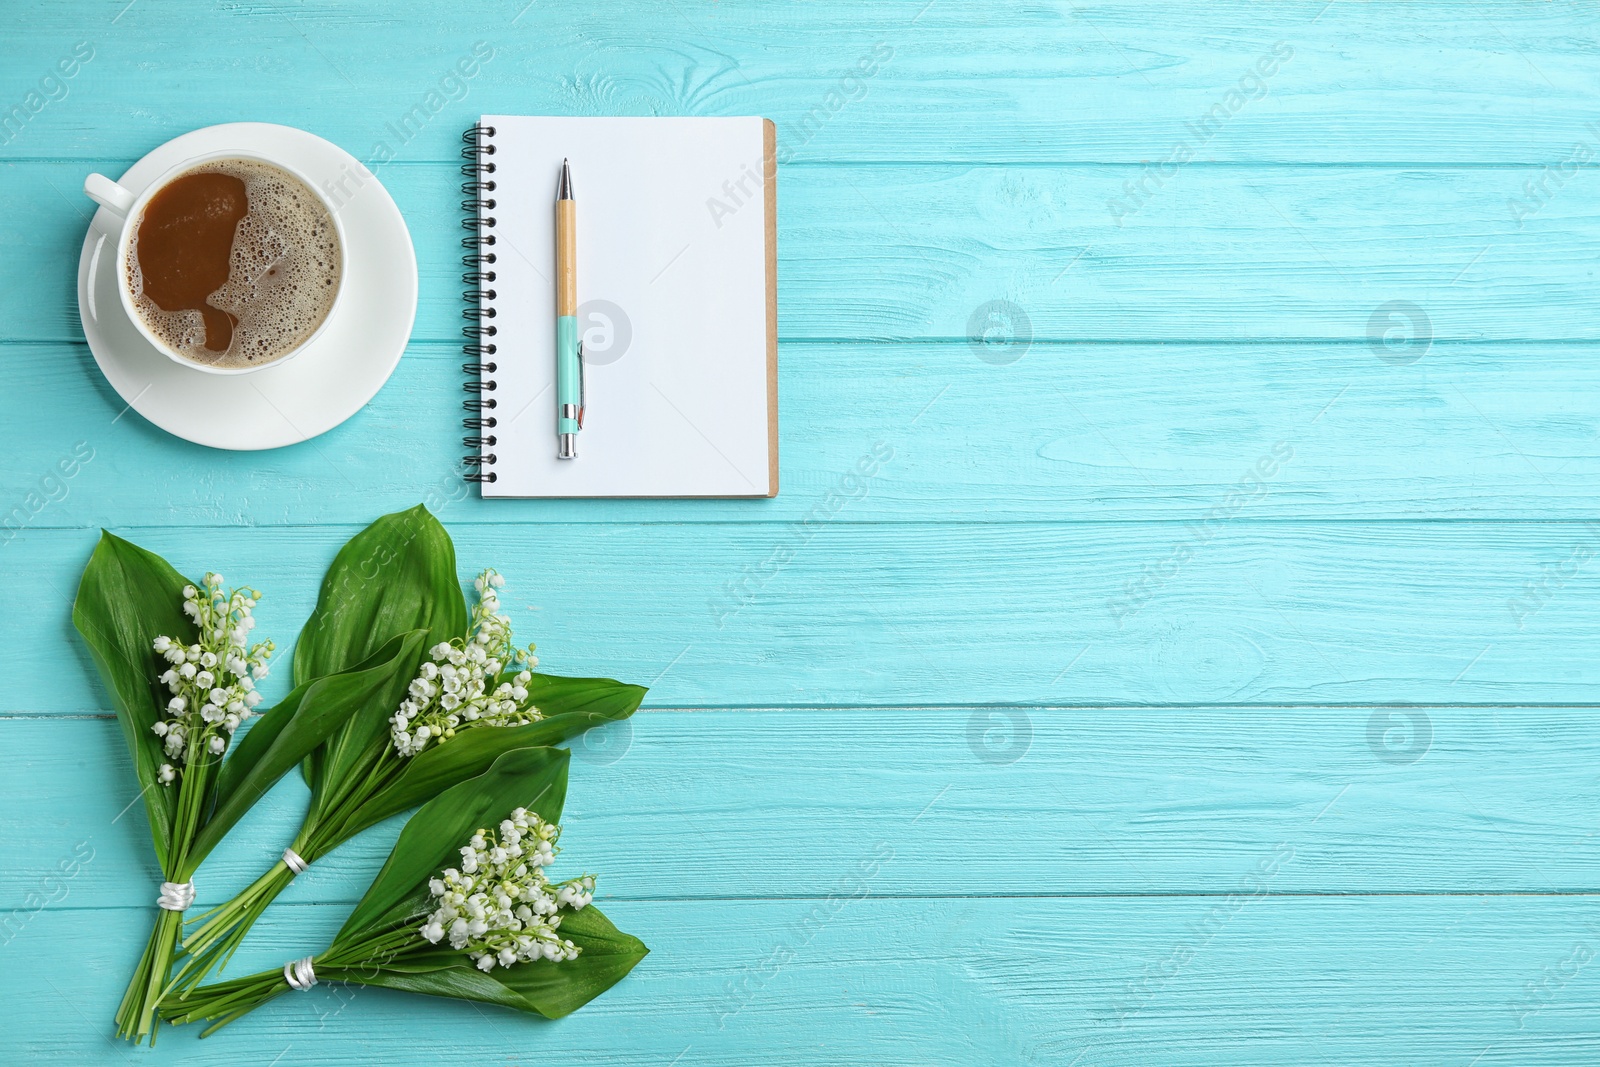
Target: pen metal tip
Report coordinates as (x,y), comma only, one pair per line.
(564,188)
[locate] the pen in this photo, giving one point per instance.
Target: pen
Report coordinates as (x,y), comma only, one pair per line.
(569,353)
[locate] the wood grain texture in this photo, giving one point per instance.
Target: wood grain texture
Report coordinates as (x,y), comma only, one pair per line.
(1249,253)
(1257,980)
(1089,80)
(1201,681)
(863,614)
(1090,433)
(1038,802)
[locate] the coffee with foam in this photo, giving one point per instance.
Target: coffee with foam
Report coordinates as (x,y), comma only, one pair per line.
(234,263)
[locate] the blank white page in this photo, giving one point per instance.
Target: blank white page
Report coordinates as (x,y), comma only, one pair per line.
(672,259)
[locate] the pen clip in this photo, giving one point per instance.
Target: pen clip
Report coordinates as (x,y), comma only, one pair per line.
(583,394)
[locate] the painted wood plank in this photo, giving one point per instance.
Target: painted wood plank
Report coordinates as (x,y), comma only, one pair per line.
(888,433)
(958,81)
(1039,802)
(844,614)
(1141,884)
(1247,253)
(1246,979)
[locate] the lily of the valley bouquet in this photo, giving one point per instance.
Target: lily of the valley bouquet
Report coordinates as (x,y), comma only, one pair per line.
(177,660)
(471,694)
(463,908)
(400,695)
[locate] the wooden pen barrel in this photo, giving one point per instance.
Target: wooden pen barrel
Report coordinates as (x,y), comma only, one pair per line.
(566,258)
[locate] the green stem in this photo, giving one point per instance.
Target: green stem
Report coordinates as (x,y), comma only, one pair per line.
(230,999)
(222,930)
(136,1018)
(332,826)
(235,998)
(214,923)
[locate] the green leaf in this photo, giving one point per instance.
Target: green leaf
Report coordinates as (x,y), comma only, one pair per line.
(555,695)
(128,597)
(570,705)
(357,745)
(556,989)
(298,724)
(533,778)
(546,987)
(397,575)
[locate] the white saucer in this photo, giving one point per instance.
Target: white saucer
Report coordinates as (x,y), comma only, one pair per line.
(317,389)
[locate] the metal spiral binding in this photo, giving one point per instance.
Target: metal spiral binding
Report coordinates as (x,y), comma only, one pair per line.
(479,331)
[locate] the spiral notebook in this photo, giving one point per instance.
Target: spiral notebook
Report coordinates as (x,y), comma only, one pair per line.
(677,306)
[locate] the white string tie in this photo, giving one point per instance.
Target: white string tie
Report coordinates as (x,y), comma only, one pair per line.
(299,975)
(176,896)
(293,861)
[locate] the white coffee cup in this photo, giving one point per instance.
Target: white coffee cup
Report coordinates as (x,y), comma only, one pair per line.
(127,208)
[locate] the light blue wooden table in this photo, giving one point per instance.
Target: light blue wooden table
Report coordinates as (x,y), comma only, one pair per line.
(1208,676)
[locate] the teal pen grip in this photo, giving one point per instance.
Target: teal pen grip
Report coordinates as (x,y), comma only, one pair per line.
(569,382)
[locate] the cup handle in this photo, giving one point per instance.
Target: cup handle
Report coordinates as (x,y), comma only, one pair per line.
(108,194)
